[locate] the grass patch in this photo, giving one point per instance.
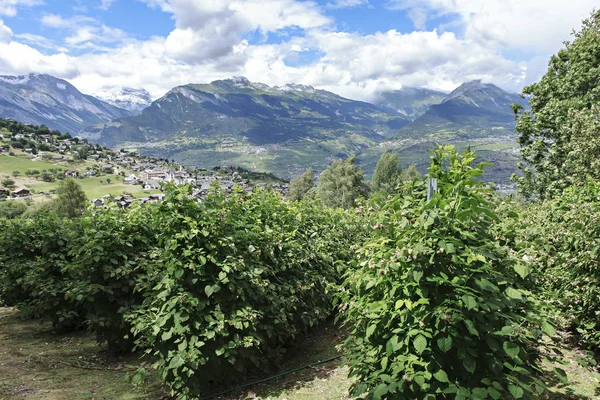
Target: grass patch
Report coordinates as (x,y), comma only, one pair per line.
(36,363)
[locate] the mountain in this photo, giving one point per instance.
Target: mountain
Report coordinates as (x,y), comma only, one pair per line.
(473,110)
(131,99)
(43,99)
(408,101)
(238,122)
(475,115)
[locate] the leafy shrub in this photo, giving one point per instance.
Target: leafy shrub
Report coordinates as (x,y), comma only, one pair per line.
(109,270)
(435,306)
(12,209)
(79,273)
(34,268)
(561,240)
(242,275)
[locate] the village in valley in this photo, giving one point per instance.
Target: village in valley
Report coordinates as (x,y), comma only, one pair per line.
(34,159)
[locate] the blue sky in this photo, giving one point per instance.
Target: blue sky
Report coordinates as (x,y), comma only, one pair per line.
(353,47)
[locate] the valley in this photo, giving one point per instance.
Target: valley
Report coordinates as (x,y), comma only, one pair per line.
(286,129)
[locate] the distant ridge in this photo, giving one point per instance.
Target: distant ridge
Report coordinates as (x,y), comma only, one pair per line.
(43,99)
(473,110)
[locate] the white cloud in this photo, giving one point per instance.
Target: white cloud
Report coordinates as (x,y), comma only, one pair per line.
(39,41)
(5,33)
(17,58)
(84,32)
(105,4)
(346,3)
(357,66)
(535,25)
(418,16)
(213,29)
(208,43)
(9,7)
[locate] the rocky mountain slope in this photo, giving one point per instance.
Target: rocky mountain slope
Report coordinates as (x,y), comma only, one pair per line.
(43,99)
(409,101)
(472,110)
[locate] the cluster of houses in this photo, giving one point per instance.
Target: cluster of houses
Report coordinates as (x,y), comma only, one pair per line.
(151,173)
(126,200)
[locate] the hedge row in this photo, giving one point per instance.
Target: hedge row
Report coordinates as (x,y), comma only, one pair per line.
(213,288)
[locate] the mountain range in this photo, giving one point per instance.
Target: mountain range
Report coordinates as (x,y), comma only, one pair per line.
(43,99)
(280,129)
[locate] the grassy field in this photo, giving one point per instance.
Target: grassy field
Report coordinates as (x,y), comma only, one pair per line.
(38,364)
(94,187)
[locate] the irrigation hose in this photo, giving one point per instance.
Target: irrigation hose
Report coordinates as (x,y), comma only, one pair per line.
(269,378)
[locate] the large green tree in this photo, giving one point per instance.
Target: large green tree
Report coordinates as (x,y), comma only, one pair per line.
(387,172)
(71,199)
(559,134)
(300,185)
(341,184)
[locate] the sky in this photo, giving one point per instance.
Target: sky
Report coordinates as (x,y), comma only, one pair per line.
(356,48)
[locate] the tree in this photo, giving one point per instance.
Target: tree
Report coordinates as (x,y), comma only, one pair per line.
(341,184)
(71,199)
(8,183)
(411,173)
(16,173)
(565,98)
(300,185)
(12,209)
(387,172)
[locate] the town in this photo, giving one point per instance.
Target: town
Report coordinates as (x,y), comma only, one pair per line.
(34,158)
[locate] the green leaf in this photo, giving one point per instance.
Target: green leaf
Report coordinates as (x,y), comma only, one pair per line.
(176,362)
(445,343)
(420,344)
(516,391)
(493,393)
(514,294)
(561,374)
(441,376)
(548,329)
(391,345)
(511,349)
(471,327)
(469,364)
(522,270)
(209,290)
(380,391)
(417,275)
(469,301)
(370,330)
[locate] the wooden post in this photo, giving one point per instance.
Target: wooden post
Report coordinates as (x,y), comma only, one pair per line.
(431,187)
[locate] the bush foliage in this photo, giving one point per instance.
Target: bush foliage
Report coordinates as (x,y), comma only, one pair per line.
(436,308)
(241,277)
(560,239)
(213,288)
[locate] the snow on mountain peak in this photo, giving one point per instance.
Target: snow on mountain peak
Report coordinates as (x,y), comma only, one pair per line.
(131,99)
(15,80)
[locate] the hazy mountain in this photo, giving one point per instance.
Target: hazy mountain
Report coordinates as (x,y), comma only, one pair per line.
(239,122)
(472,110)
(409,101)
(42,99)
(131,99)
